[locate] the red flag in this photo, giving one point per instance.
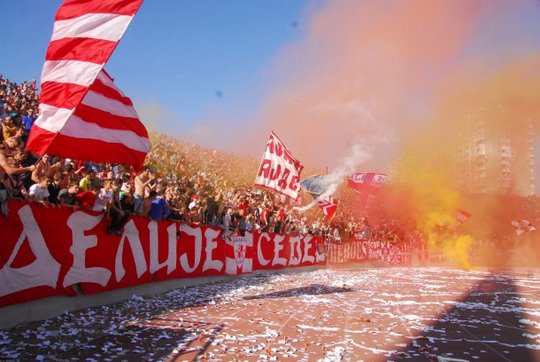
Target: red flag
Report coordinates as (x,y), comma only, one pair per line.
(523,226)
(366,181)
(82,113)
(367,184)
(462,216)
(329,207)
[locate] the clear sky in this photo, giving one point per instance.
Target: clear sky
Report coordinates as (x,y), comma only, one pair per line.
(324,75)
(183,56)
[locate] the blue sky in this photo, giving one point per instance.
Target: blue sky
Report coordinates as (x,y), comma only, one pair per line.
(185,55)
(324,75)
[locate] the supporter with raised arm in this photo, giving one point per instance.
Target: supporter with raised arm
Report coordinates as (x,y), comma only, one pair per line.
(7,147)
(15,183)
(142,188)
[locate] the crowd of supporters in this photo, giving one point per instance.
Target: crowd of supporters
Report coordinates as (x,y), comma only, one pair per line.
(181,182)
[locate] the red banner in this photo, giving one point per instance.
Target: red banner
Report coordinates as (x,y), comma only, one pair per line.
(370,250)
(46,251)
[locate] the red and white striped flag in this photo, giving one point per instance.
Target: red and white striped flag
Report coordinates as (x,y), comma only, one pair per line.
(329,207)
(462,216)
(82,113)
(522,226)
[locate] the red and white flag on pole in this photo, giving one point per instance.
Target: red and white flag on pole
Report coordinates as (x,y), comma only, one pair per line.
(329,207)
(367,182)
(522,226)
(83,115)
(279,170)
(367,185)
(462,216)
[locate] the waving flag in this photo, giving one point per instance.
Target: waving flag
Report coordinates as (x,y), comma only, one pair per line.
(367,184)
(279,170)
(329,207)
(366,181)
(462,216)
(523,226)
(83,115)
(315,185)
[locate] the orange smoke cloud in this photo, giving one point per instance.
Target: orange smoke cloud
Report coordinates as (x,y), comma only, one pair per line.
(393,76)
(398,78)
(360,75)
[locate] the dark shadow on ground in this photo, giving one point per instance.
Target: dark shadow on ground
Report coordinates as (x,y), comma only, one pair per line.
(313,289)
(185,340)
(157,339)
(483,326)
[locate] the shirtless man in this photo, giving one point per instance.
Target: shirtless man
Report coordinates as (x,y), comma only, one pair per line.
(43,168)
(142,188)
(7,146)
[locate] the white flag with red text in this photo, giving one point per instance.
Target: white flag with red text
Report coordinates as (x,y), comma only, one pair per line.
(279,170)
(83,115)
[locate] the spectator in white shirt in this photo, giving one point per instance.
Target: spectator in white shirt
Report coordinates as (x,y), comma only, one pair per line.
(38,192)
(104,197)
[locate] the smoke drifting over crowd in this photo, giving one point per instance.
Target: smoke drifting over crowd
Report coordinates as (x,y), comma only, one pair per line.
(395,79)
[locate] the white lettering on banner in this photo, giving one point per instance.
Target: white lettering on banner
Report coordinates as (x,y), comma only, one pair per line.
(278,246)
(331,252)
(170,261)
(211,244)
(132,235)
(44,270)
(319,257)
(131,256)
(347,252)
(370,250)
(296,250)
(260,256)
(248,262)
(197,248)
(307,245)
(79,222)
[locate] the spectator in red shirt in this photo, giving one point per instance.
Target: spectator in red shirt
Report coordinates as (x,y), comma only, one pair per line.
(243,207)
(86,199)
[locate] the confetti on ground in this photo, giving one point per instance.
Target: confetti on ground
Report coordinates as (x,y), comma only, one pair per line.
(394,314)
